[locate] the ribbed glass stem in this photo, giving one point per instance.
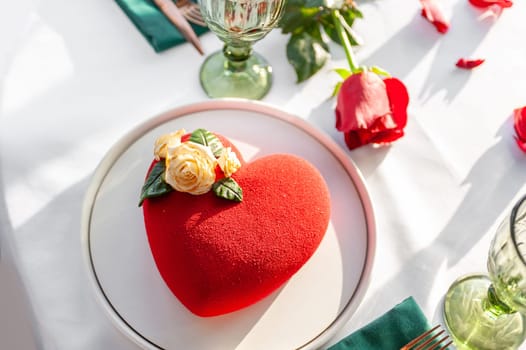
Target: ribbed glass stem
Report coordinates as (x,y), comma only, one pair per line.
(236,56)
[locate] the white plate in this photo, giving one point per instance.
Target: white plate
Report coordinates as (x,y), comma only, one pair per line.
(303,314)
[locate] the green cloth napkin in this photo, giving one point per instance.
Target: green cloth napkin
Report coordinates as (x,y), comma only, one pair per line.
(390,331)
(153,24)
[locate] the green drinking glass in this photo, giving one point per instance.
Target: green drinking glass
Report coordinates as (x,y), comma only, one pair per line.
(236,71)
(487,312)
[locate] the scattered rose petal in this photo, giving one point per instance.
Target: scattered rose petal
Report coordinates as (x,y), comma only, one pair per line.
(469,63)
(371,110)
(434,14)
(488,3)
(519,123)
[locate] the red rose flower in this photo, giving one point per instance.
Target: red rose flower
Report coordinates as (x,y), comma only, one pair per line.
(520,127)
(469,63)
(371,110)
(434,14)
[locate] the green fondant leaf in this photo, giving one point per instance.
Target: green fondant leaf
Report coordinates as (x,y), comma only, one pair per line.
(206,138)
(229,189)
(155,186)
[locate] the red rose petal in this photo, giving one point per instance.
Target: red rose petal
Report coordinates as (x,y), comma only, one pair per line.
(488,3)
(519,123)
(469,63)
(398,99)
(356,138)
(387,137)
(359,137)
(353,139)
(362,99)
(385,131)
(521,144)
(434,14)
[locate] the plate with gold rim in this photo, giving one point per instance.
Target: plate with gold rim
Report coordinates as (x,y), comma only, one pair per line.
(303,314)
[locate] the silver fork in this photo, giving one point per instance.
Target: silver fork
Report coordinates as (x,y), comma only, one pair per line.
(191,11)
(433,339)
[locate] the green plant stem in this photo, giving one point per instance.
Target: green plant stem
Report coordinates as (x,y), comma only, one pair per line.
(344,38)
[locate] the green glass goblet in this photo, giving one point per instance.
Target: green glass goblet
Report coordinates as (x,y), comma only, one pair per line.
(487,312)
(236,71)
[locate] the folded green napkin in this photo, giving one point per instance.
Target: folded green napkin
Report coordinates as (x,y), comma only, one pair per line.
(153,24)
(390,331)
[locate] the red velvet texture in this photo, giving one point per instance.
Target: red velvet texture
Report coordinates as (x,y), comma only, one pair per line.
(218,256)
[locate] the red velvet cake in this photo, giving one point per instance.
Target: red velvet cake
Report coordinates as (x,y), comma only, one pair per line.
(239,234)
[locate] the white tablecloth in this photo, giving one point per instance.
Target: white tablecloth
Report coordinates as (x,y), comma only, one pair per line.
(76,76)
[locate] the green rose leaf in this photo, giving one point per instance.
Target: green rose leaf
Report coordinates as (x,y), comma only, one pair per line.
(155,186)
(313,3)
(229,189)
(307,53)
(206,138)
(350,13)
(297,16)
(304,20)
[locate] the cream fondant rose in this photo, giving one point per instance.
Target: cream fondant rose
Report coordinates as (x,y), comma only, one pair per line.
(164,142)
(228,162)
(190,167)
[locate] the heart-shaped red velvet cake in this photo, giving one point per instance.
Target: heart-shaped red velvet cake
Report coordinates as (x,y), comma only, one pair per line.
(217,255)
